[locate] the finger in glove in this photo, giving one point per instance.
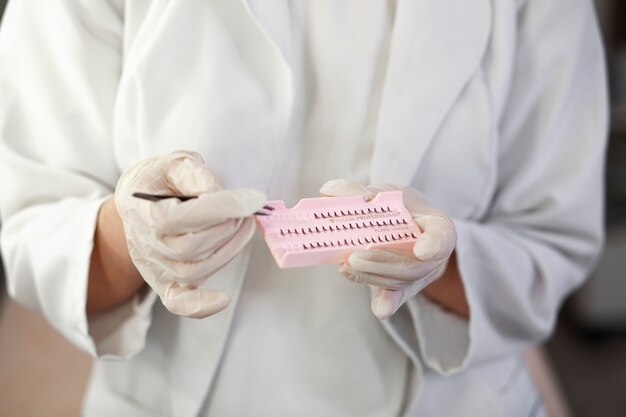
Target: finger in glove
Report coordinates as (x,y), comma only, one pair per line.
(172,216)
(193,302)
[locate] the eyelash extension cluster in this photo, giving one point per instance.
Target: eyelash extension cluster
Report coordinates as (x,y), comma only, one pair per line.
(357,241)
(341,226)
(351,212)
(328,229)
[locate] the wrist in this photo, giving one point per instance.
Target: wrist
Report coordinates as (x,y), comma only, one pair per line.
(448,290)
(113,278)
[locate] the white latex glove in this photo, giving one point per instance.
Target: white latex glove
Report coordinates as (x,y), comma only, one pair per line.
(177,245)
(394,275)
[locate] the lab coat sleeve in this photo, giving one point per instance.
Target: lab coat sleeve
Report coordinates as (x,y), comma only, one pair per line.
(544,228)
(60,63)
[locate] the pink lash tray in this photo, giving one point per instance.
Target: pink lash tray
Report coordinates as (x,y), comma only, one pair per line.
(328,229)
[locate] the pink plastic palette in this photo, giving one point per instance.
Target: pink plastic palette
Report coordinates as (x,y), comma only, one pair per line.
(328,229)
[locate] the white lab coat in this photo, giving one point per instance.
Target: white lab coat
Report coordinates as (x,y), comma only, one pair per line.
(496,110)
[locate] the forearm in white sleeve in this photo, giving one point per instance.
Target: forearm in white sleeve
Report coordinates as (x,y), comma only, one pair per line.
(60,63)
(544,229)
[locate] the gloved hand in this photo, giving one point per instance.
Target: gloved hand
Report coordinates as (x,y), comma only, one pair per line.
(177,245)
(395,275)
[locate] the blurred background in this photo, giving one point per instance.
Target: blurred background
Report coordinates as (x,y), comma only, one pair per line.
(581,369)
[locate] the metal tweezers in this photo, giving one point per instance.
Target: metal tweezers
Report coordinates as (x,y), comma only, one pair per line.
(157,197)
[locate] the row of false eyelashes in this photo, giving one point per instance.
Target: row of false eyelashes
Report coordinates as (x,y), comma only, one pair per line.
(347,212)
(341,227)
(358,241)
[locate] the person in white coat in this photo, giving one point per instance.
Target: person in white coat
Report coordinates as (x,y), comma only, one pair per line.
(490,116)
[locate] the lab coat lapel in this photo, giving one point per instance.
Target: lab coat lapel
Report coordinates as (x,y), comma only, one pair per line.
(435,48)
(272,17)
(271,20)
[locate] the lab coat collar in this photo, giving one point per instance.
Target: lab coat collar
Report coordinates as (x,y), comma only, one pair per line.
(436,46)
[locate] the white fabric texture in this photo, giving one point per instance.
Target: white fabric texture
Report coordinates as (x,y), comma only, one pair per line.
(542,231)
(47,200)
(497,111)
(330,339)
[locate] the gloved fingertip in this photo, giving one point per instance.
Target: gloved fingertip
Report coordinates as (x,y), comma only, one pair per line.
(342,187)
(386,302)
(195,303)
(382,187)
(186,173)
(372,255)
(250,199)
(183,153)
(330,186)
(383,307)
(259,197)
(218,303)
(346,270)
(215,305)
(427,248)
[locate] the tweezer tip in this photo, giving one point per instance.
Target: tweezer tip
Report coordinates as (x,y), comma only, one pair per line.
(261,213)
